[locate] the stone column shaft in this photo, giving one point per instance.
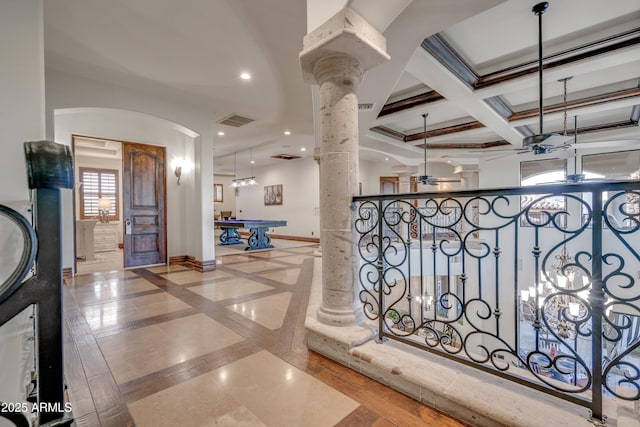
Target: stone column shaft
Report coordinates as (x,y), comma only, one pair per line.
(338,76)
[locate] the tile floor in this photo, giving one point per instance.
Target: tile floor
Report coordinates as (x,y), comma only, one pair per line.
(167,346)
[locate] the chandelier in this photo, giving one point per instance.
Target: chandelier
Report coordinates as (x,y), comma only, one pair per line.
(555,297)
(243,182)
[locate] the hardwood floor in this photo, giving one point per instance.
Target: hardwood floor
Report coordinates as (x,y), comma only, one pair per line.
(140,345)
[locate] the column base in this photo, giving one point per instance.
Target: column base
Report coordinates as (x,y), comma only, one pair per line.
(339,317)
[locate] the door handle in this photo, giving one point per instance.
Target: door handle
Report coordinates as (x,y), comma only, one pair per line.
(127,226)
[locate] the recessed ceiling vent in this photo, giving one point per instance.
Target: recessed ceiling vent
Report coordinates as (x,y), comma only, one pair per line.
(235,120)
(285,157)
(366,107)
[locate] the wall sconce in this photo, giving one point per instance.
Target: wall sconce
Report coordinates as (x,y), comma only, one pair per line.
(178,173)
(104,207)
(180,165)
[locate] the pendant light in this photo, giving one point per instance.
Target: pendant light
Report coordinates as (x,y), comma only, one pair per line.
(243,182)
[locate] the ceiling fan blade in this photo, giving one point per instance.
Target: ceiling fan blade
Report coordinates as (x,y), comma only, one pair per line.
(622,143)
(441,180)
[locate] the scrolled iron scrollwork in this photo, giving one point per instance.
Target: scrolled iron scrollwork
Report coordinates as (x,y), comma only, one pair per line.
(445,273)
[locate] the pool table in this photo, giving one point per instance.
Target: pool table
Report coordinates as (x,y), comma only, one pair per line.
(259,239)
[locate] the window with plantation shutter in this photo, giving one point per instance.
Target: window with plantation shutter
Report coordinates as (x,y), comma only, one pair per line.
(96,184)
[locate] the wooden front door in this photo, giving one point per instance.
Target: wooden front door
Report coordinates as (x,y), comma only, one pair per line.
(144,205)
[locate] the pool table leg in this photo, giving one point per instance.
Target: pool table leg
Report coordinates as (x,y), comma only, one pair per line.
(259,239)
(230,236)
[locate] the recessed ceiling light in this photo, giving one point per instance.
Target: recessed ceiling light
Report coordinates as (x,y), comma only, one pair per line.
(252,162)
(245,76)
(303,149)
(221,133)
(287,132)
(386,158)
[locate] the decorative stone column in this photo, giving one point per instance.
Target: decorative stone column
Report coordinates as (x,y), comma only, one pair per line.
(335,56)
(469,175)
(316,156)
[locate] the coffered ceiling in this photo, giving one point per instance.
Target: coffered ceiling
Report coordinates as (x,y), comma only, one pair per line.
(478,80)
(470,64)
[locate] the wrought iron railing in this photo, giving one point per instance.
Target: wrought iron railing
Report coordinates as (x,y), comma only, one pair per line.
(49,169)
(553,305)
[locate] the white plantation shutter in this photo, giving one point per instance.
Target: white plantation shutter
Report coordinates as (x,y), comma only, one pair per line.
(97,183)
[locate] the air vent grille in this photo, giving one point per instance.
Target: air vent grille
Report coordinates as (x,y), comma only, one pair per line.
(285,156)
(235,120)
(366,107)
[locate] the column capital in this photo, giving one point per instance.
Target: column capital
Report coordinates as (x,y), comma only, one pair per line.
(348,34)
(404,170)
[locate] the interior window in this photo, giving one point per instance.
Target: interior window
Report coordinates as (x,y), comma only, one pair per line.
(621,165)
(96,184)
(541,172)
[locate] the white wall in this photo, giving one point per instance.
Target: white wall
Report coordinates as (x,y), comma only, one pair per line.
(228,196)
(185,130)
(370,173)
(22,89)
(300,197)
(122,125)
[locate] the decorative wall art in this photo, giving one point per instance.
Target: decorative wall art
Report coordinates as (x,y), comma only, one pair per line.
(273,195)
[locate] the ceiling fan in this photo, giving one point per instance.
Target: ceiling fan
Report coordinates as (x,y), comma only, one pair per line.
(430,179)
(541,143)
(545,143)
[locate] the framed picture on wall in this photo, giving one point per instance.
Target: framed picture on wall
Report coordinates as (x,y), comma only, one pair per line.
(217,193)
(273,195)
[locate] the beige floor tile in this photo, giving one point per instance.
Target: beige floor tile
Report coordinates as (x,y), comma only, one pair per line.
(268,311)
(142,351)
(190,276)
(304,249)
(161,269)
(197,402)
(302,402)
(271,253)
(103,261)
(295,259)
(107,275)
(255,266)
(118,313)
(295,397)
(229,289)
(239,417)
(251,374)
(231,259)
(105,290)
(289,277)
